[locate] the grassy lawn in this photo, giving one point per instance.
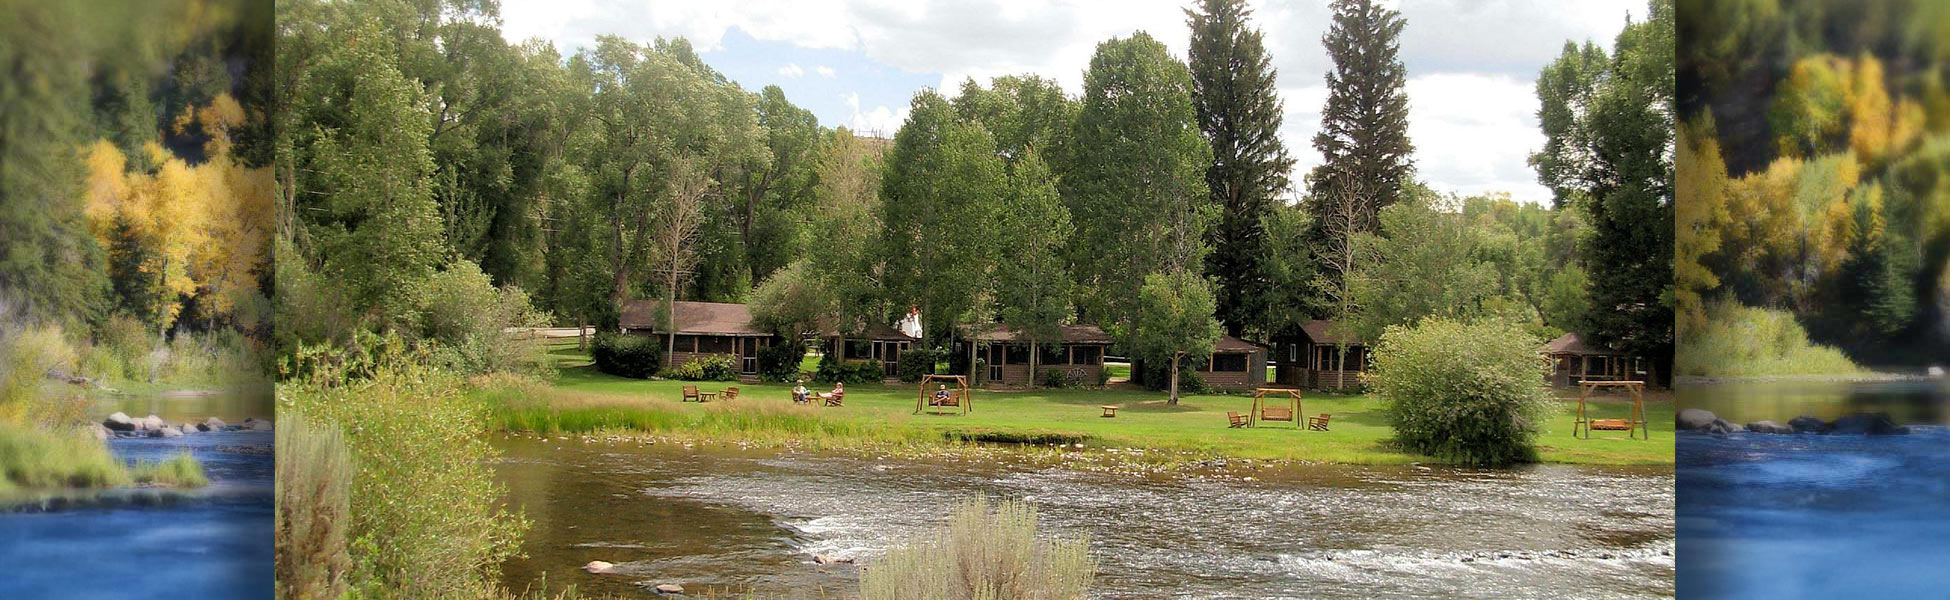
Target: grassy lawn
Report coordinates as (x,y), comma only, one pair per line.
(1144,420)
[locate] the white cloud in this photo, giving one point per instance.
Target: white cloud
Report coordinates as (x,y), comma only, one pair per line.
(879,122)
(1470,63)
(791,70)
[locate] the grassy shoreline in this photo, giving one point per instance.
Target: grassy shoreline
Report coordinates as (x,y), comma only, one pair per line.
(880,418)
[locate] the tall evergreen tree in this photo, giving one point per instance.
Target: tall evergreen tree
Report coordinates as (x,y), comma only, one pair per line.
(1239,110)
(1363,138)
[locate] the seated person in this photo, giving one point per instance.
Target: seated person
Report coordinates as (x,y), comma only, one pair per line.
(800,393)
(838,388)
(941,395)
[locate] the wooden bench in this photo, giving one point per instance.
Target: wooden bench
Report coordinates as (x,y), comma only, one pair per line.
(1109,411)
(1611,424)
(691,394)
(1319,423)
(1238,420)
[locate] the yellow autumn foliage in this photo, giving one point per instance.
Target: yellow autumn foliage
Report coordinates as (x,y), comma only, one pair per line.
(207,225)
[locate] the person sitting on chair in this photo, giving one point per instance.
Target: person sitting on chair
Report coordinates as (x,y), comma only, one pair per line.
(941,395)
(800,393)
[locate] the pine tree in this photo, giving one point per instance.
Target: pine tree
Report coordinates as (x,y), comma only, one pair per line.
(1364,128)
(1239,110)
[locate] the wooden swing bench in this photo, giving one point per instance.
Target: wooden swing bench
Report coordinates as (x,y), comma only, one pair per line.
(1634,426)
(958,399)
(1262,411)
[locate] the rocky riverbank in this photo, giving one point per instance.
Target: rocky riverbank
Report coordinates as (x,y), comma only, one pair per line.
(1877,423)
(122,425)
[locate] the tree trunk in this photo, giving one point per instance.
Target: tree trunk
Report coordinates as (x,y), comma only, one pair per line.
(1032,362)
(670,319)
(582,336)
(1174,379)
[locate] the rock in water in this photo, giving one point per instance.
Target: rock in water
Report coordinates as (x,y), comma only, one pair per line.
(97,431)
(597,566)
(153,422)
(669,588)
(827,560)
(119,422)
(1721,426)
(213,424)
(1768,427)
(168,432)
(1868,424)
(256,424)
(1808,424)
(1696,419)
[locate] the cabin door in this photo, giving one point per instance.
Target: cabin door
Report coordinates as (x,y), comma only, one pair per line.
(748,356)
(890,359)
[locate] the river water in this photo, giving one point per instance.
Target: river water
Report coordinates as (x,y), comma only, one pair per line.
(734,522)
(214,542)
(1772,516)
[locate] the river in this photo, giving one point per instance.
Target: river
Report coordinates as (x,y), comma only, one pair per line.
(1772,516)
(214,542)
(729,521)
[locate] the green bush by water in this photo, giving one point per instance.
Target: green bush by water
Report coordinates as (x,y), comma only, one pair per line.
(425,513)
(180,470)
(36,457)
(1744,341)
(990,551)
(1465,393)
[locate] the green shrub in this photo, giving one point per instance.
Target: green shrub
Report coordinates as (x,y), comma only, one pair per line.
(425,509)
(916,362)
(1743,341)
(463,311)
(120,346)
(1157,376)
(1465,393)
(988,554)
(637,356)
(1054,378)
(709,367)
(27,356)
(780,362)
(312,514)
(834,370)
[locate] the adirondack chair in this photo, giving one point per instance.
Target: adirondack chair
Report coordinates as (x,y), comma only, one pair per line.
(1319,423)
(691,395)
(1238,420)
(730,393)
(835,398)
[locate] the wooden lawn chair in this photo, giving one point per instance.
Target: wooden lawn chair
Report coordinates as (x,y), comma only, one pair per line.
(1238,420)
(691,395)
(730,393)
(1319,423)
(835,398)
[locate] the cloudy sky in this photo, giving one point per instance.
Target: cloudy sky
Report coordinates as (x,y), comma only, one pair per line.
(1471,63)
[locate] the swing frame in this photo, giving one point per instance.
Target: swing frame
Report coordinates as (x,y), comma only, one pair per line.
(1259,405)
(961,391)
(1635,425)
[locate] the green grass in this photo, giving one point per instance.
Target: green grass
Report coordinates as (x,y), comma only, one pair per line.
(180,470)
(582,400)
(36,458)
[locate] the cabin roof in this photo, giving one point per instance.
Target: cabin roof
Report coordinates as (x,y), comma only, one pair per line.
(1572,343)
(876,332)
(1329,332)
(1232,345)
(692,318)
(1072,334)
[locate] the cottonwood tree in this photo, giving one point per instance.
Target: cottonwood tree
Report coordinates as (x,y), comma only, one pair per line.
(843,231)
(941,193)
(1425,263)
(679,217)
(1033,287)
(1134,178)
(1239,110)
(1340,254)
(1174,320)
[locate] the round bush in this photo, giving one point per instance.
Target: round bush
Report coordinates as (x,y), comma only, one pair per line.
(780,361)
(626,355)
(1466,393)
(916,362)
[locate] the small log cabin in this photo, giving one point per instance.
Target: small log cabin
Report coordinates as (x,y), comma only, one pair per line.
(1309,358)
(1235,364)
(1079,355)
(1574,360)
(703,329)
(879,343)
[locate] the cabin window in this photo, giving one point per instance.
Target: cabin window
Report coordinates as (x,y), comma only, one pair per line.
(859,349)
(714,344)
(1015,354)
(1086,355)
(1229,363)
(685,343)
(1053,355)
